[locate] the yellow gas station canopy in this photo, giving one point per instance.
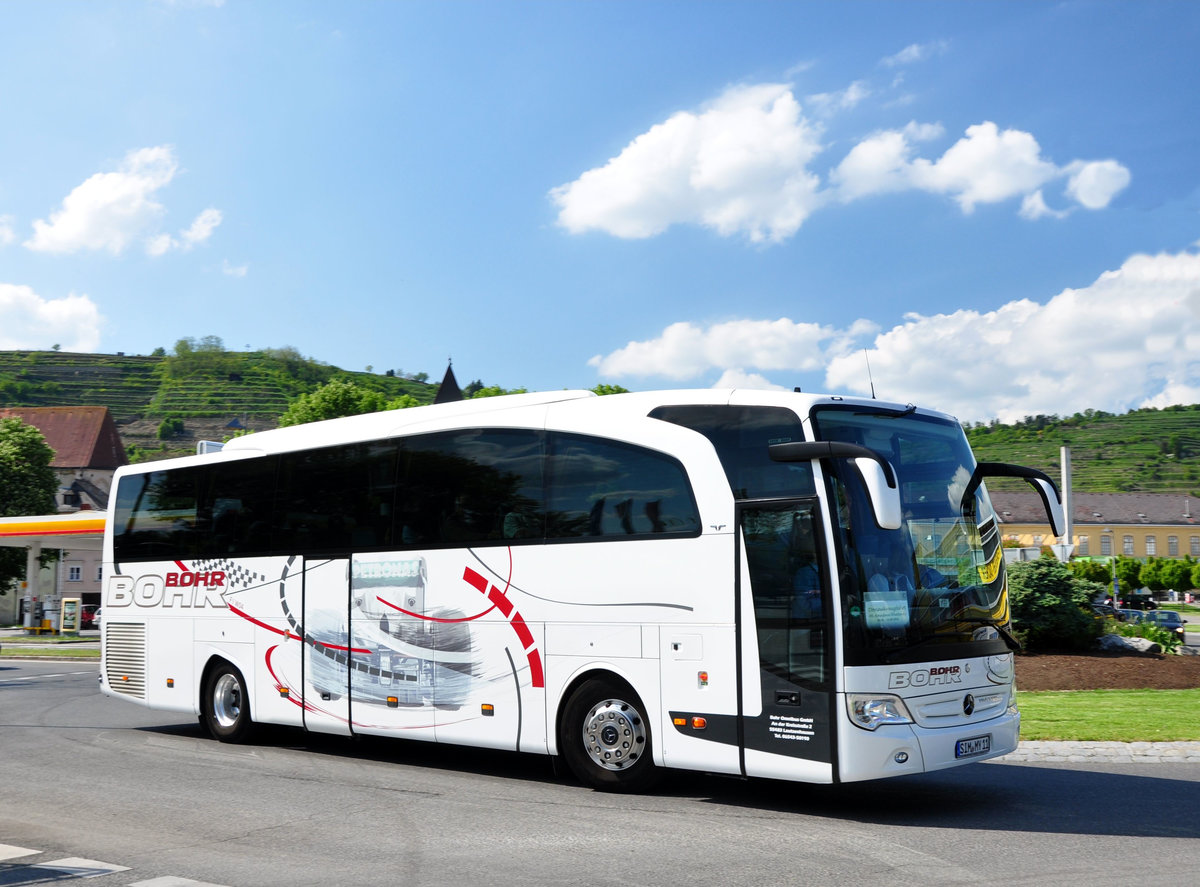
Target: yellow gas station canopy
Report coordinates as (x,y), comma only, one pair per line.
(81,531)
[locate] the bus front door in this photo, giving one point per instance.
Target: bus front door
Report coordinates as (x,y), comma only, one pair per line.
(787,652)
(327,645)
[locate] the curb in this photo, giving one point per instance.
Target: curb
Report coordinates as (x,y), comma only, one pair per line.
(1084,752)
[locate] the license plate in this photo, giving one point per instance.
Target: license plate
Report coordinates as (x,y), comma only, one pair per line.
(976,745)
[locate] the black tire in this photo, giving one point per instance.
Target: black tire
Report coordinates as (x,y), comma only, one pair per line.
(227,705)
(604,737)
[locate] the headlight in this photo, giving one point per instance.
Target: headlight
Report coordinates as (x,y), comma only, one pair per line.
(869,712)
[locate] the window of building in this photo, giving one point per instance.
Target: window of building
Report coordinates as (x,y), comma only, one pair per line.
(1037,540)
(1083,546)
(74,574)
(1106,546)
(1194,545)
(1172,546)
(1151,546)
(1127,546)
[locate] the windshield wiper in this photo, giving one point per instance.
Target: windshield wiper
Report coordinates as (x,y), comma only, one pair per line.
(908,410)
(1009,638)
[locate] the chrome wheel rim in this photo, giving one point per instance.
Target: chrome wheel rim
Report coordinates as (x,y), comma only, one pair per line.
(614,734)
(227,700)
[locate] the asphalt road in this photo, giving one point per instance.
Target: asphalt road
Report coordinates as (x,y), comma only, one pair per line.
(87,778)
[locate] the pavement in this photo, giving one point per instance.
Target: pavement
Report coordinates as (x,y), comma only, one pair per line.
(1033,751)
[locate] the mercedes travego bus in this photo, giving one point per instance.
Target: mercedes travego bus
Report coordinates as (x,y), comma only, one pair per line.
(761,584)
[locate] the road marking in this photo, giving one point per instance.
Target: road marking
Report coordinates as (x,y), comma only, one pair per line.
(8,851)
(71,868)
(37,677)
(77,867)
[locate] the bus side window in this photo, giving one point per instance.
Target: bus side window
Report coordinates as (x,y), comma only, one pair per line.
(470,487)
(237,507)
(162,515)
(604,488)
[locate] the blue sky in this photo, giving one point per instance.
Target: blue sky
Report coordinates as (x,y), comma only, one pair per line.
(996,204)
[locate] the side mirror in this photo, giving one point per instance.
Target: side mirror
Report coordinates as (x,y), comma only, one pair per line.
(877,474)
(1040,481)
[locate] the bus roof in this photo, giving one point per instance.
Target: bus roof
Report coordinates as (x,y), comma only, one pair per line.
(571,406)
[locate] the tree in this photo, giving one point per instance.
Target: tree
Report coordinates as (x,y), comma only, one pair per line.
(491,391)
(1052,610)
(27,486)
(1129,574)
(332,400)
(1150,575)
(1093,571)
(1177,573)
(603,389)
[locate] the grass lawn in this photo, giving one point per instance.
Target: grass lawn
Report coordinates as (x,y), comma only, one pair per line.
(47,651)
(1111,715)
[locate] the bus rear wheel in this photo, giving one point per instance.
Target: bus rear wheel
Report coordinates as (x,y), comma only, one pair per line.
(606,738)
(227,705)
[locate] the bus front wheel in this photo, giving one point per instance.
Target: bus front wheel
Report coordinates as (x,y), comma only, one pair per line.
(227,705)
(606,738)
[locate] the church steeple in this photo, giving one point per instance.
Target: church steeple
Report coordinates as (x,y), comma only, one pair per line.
(448,391)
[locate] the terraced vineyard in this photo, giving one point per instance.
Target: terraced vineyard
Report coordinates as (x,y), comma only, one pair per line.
(1155,451)
(213,393)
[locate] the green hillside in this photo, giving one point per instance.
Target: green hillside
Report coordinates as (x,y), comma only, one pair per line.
(213,391)
(1148,450)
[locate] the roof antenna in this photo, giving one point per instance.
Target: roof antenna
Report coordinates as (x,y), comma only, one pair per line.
(869,377)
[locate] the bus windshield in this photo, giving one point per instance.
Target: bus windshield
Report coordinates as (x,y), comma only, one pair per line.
(935,588)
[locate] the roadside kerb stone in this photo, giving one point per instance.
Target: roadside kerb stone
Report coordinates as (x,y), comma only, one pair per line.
(1082,752)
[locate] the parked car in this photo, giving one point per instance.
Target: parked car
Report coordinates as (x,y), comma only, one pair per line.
(87,617)
(1131,616)
(1108,611)
(1168,619)
(96,619)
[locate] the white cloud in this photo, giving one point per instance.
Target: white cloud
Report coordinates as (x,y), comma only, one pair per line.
(1130,339)
(1033,206)
(986,165)
(111,210)
(28,321)
(742,166)
(202,228)
(915,52)
(1095,184)
(738,378)
(685,350)
(826,103)
(234,270)
(739,166)
(7,235)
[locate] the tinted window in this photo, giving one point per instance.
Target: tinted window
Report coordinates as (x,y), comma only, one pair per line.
(742,436)
(156,514)
(601,488)
(237,505)
(467,487)
(336,498)
(471,486)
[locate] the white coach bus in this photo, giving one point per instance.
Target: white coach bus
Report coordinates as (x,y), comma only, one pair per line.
(744,582)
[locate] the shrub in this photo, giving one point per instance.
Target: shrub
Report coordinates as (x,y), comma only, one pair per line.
(1052,610)
(1168,640)
(170,427)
